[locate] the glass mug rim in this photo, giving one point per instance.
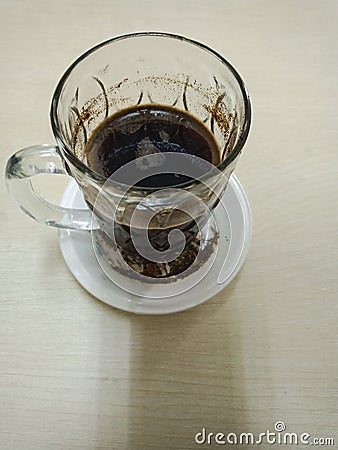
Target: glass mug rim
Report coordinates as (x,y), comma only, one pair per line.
(101,179)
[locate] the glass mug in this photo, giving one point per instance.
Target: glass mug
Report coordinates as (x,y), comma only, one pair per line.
(133,70)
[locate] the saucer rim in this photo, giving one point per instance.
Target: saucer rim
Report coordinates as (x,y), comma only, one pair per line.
(142,305)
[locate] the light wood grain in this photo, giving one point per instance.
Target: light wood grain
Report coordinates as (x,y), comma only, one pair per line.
(77,374)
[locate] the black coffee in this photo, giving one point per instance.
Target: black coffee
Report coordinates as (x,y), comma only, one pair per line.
(142,131)
(149,130)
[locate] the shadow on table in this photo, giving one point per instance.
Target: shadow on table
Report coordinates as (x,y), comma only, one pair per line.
(185,375)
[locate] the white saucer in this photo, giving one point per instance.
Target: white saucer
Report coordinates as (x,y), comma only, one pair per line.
(233,219)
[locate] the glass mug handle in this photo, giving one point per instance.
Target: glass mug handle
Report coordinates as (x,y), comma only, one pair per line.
(22,167)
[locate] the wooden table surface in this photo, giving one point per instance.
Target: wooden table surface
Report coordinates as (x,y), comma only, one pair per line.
(78,374)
